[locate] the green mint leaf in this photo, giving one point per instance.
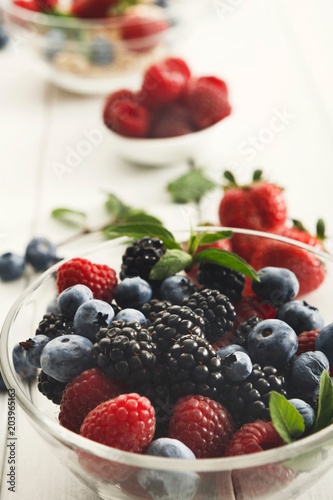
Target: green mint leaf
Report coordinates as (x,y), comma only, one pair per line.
(138,230)
(115,207)
(140,216)
(229,176)
(207,238)
(171,263)
(190,187)
(257,175)
(227,259)
(286,419)
(192,243)
(325,403)
(69,216)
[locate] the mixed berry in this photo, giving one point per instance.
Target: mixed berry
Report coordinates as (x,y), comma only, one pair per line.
(150,372)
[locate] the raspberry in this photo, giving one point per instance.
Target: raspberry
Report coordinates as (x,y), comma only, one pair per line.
(251,305)
(124,114)
(172,121)
(202,424)
(126,422)
(307,341)
(91,8)
(254,437)
(141,33)
(100,278)
(84,393)
(164,82)
(207,99)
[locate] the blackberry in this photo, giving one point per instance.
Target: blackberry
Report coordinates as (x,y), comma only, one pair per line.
(125,352)
(153,307)
(241,334)
(54,325)
(174,322)
(193,367)
(50,387)
(229,282)
(249,400)
(216,310)
(140,257)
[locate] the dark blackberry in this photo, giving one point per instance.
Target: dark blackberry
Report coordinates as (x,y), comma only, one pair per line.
(229,282)
(174,322)
(54,325)
(249,400)
(216,310)
(193,367)
(140,257)
(153,307)
(241,334)
(125,352)
(50,387)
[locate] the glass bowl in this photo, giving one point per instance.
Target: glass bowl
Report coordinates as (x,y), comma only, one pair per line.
(90,56)
(283,472)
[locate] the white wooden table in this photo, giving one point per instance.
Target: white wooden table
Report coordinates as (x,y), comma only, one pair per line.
(277,58)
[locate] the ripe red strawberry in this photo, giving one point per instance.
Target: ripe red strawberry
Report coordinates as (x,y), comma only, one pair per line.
(142,33)
(101,279)
(124,114)
(171,121)
(307,341)
(207,99)
(204,425)
(260,205)
(299,233)
(27,4)
(91,8)
(252,305)
(84,393)
(254,437)
(164,82)
(126,422)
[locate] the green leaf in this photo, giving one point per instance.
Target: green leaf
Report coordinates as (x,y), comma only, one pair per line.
(227,259)
(257,175)
(286,419)
(171,263)
(229,176)
(116,208)
(69,216)
(142,217)
(138,230)
(190,187)
(325,402)
(207,238)
(320,229)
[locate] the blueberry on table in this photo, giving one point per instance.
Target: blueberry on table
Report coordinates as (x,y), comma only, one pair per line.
(12,266)
(91,316)
(176,288)
(129,314)
(300,316)
(277,285)
(41,253)
(133,292)
(72,298)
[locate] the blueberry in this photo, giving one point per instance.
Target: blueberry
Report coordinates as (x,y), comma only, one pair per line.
(53,306)
(91,316)
(41,253)
(162,3)
(169,485)
(307,412)
(102,52)
(324,342)
(2,384)
(133,292)
(72,298)
(176,288)
(130,314)
(229,349)
(237,366)
(12,266)
(305,372)
(277,285)
(21,364)
(55,42)
(67,356)
(3,37)
(300,316)
(272,342)
(34,347)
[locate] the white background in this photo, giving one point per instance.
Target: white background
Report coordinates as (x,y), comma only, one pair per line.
(274,55)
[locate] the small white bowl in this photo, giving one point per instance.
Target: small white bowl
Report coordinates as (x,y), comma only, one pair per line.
(162,152)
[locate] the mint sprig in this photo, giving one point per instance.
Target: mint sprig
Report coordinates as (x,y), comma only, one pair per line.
(286,419)
(205,238)
(227,259)
(139,230)
(325,403)
(172,262)
(69,216)
(190,187)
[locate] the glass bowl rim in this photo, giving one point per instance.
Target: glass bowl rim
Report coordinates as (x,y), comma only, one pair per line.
(75,441)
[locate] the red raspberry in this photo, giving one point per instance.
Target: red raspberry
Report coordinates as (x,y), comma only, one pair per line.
(125,115)
(223,341)
(27,4)
(207,98)
(254,437)
(164,82)
(307,341)
(91,8)
(172,121)
(142,33)
(84,393)
(126,422)
(201,423)
(101,279)
(251,305)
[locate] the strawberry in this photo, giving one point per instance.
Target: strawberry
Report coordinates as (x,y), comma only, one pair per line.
(172,121)
(27,4)
(91,8)
(207,99)
(125,115)
(299,233)
(141,33)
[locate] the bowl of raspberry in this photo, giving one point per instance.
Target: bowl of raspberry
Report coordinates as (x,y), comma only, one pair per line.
(176,370)
(93,47)
(172,116)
